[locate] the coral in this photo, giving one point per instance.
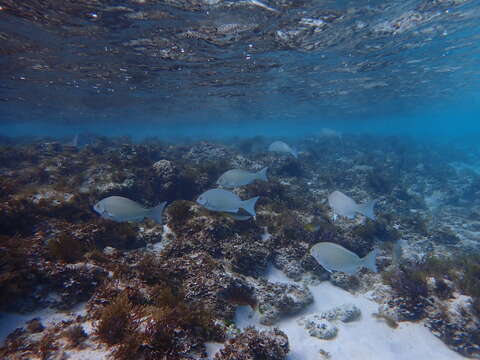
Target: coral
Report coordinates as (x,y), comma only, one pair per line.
(345,281)
(254,345)
(247,256)
(319,327)
(344,313)
(278,299)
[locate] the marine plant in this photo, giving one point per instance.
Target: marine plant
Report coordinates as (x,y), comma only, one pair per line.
(290,167)
(65,247)
(75,335)
(410,284)
(255,345)
(46,346)
(116,320)
(376,230)
(121,235)
(168,325)
(17,275)
(179,212)
(387,319)
(381,182)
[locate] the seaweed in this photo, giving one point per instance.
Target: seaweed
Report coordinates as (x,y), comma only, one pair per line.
(442,290)
(178,213)
(167,325)
(376,230)
(46,346)
(75,335)
(116,320)
(381,182)
(291,167)
(388,319)
(149,270)
(66,248)
(35,326)
(121,235)
(17,275)
(255,345)
(410,285)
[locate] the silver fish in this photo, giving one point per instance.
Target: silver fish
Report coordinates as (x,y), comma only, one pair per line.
(334,257)
(281,147)
(238,216)
(238,177)
(118,208)
(227,201)
(346,206)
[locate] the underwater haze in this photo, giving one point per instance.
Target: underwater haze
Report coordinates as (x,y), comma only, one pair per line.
(239,179)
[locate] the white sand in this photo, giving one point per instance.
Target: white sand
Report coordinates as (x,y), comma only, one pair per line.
(9,321)
(91,351)
(365,339)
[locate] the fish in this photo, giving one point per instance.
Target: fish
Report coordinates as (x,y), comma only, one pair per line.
(334,257)
(281,147)
(397,251)
(346,206)
(238,177)
(237,216)
(329,133)
(226,201)
(118,208)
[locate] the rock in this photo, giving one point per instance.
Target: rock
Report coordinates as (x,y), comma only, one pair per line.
(205,151)
(247,256)
(345,281)
(288,264)
(166,176)
(276,300)
(319,327)
(344,313)
(110,251)
(255,345)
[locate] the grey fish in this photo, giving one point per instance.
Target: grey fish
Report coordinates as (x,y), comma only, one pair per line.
(238,177)
(334,257)
(397,251)
(238,216)
(118,208)
(224,200)
(281,147)
(346,206)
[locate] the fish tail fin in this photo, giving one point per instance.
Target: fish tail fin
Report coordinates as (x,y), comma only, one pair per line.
(262,174)
(294,153)
(249,205)
(157,213)
(75,141)
(369,261)
(367,209)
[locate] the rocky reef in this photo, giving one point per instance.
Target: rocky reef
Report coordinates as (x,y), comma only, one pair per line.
(144,290)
